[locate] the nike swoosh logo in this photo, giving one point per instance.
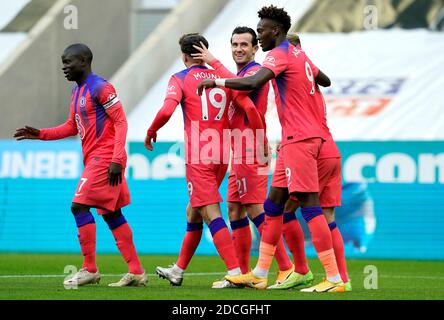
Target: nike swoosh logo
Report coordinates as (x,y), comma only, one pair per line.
(243,195)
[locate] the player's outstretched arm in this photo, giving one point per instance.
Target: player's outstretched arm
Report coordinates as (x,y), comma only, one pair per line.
(161,119)
(27,133)
(247,83)
(68,129)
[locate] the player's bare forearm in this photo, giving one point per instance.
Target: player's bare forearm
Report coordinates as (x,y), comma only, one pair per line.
(322,79)
(244,84)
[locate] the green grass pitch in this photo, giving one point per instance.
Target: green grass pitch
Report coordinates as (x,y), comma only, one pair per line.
(40,276)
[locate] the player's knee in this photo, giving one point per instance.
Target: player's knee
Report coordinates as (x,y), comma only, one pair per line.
(273,209)
(329,214)
(278,195)
(308,199)
(112,215)
(114,219)
(254,209)
(77,208)
(235,211)
(292,204)
(193,215)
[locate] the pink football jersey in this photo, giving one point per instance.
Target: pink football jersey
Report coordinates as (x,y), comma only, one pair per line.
(296,101)
(206,122)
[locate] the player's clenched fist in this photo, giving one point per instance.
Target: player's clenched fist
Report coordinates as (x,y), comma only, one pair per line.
(27,133)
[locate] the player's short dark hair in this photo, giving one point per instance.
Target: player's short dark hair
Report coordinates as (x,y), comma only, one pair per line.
(81,50)
(188,40)
(278,15)
(240,30)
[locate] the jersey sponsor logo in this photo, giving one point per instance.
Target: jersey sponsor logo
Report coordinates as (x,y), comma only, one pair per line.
(361,97)
(80,127)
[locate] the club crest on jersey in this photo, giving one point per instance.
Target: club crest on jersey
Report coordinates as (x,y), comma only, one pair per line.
(82,102)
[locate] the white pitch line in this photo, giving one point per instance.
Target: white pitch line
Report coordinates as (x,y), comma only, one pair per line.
(197,274)
(11,276)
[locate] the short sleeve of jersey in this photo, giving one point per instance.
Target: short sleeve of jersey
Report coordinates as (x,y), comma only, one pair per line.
(107,96)
(276,60)
(174,90)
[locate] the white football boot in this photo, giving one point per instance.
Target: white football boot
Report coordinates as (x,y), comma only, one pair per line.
(82,277)
(174,276)
(131,280)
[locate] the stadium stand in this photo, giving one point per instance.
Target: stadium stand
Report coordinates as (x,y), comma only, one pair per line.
(375,93)
(9,39)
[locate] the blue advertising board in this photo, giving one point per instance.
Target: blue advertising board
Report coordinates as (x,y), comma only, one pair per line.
(392,199)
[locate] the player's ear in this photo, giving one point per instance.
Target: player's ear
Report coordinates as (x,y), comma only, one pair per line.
(255,49)
(83,61)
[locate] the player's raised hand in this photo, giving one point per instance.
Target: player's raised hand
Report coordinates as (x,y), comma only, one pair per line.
(115,174)
(207,83)
(150,136)
(204,54)
(26,133)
